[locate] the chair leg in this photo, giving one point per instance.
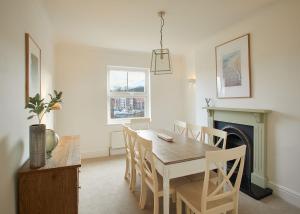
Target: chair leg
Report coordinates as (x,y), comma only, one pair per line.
(178,205)
(143,195)
(187,210)
(174,197)
(235,211)
(126,169)
(133,179)
(236,206)
(156,204)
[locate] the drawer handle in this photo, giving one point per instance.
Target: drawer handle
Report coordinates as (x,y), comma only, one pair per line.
(79,187)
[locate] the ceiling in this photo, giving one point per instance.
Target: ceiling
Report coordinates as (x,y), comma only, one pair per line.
(135,25)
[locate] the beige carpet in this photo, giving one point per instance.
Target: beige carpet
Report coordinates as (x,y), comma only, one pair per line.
(105,191)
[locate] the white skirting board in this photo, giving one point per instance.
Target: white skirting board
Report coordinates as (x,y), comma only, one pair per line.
(285,193)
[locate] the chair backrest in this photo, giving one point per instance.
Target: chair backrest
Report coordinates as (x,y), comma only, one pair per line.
(179,127)
(140,123)
(147,162)
(225,193)
(193,131)
(214,137)
(132,136)
(125,136)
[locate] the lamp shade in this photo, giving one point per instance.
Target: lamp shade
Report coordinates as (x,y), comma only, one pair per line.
(160,62)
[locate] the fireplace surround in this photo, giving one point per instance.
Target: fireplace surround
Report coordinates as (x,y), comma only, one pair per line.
(246,127)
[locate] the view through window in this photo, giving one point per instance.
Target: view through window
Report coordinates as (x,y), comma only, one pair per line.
(127,93)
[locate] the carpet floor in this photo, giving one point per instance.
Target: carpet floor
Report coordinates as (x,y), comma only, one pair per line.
(105,191)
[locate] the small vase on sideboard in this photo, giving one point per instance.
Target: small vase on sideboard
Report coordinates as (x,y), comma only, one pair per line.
(52,139)
(37,133)
(37,142)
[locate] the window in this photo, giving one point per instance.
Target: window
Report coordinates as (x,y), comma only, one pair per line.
(127,93)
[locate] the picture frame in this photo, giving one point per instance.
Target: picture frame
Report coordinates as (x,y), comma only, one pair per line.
(33,55)
(233,78)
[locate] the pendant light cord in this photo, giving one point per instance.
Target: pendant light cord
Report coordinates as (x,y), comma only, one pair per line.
(161,30)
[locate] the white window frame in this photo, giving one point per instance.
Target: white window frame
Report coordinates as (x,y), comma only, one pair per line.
(145,94)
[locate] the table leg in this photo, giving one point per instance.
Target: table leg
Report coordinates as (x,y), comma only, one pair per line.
(166,189)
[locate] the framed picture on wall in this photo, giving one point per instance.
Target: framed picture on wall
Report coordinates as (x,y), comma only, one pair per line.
(233,68)
(33,67)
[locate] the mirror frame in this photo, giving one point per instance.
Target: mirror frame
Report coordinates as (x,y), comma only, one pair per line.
(31,47)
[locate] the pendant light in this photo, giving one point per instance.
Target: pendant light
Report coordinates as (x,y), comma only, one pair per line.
(160,61)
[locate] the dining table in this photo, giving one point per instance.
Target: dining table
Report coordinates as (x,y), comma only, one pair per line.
(177,158)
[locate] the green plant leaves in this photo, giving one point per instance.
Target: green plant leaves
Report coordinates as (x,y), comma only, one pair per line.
(39,107)
(30,117)
(54,100)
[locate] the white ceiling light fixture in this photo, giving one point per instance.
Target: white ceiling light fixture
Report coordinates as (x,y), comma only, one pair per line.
(160,61)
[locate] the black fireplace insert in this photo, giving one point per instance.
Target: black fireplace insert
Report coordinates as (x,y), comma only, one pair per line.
(239,134)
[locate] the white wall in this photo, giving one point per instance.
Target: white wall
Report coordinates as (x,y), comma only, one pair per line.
(275,56)
(81,75)
(16,18)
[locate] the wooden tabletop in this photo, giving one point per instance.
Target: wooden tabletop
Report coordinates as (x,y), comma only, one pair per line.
(66,154)
(180,150)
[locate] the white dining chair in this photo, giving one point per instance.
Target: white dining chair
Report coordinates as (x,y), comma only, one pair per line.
(128,152)
(206,197)
(213,137)
(150,178)
(193,131)
(179,127)
(135,168)
(131,156)
(140,123)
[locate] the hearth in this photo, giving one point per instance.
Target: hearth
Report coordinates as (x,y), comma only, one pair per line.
(239,134)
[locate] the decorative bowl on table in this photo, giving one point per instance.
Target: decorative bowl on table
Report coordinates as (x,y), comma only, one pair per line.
(165,137)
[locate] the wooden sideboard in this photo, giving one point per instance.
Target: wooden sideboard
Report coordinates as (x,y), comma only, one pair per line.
(52,189)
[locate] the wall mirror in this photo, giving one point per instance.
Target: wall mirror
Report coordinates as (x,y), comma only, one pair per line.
(33,67)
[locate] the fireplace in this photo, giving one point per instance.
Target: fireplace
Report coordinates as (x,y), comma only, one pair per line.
(245,127)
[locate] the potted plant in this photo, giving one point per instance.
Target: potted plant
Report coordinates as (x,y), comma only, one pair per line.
(37,132)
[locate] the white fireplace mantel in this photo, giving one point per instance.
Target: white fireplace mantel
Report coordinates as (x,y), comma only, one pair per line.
(251,117)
